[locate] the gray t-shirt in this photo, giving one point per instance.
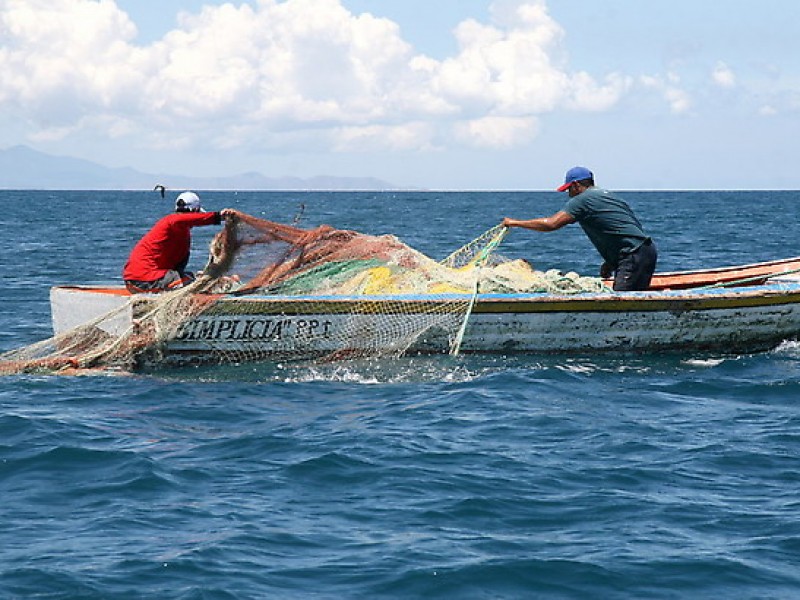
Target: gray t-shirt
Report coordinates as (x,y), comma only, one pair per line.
(608,222)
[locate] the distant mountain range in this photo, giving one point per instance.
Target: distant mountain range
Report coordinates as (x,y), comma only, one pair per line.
(24,168)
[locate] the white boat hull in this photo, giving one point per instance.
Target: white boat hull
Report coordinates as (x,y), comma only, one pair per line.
(746,319)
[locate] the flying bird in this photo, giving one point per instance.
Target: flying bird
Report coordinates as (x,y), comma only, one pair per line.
(299,214)
(160,188)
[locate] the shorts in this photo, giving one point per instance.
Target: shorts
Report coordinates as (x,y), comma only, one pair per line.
(172,280)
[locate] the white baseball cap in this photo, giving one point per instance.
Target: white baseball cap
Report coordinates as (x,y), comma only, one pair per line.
(188,201)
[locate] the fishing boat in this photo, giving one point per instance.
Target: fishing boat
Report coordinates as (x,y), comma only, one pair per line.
(736,309)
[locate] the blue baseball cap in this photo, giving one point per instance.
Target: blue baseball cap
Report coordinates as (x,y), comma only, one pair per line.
(573,175)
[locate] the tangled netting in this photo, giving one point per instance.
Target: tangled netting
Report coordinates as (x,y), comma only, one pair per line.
(275,292)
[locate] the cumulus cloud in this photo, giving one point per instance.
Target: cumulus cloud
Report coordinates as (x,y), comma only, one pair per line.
(63,60)
(512,68)
(723,76)
(269,74)
(497,132)
(677,98)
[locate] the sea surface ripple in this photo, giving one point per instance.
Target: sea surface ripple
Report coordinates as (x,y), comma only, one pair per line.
(663,476)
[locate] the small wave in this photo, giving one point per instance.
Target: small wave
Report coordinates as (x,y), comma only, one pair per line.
(382,371)
(704,362)
(366,372)
(606,365)
(354,374)
(789,347)
(417,369)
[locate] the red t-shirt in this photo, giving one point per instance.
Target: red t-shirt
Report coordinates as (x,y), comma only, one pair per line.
(166,246)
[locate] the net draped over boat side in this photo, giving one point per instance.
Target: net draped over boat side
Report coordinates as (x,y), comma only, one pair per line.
(272,282)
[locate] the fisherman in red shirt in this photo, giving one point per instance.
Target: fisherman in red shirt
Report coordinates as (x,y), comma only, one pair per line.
(158,261)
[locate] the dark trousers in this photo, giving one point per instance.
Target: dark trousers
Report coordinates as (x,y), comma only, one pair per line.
(636,268)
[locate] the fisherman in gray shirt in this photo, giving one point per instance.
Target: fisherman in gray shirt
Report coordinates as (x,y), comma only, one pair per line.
(628,253)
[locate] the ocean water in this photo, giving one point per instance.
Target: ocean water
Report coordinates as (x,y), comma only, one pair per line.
(674,476)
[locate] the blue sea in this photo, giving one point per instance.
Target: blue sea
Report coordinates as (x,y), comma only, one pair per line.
(624,477)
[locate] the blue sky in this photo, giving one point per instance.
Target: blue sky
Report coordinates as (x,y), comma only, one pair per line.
(445,94)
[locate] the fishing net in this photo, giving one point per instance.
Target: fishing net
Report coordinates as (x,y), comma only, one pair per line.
(271,291)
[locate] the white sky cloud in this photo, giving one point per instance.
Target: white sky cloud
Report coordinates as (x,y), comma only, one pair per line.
(290,82)
(678,99)
(254,72)
(723,76)
(497,132)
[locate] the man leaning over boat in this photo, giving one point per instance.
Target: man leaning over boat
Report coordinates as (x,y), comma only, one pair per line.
(159,260)
(610,224)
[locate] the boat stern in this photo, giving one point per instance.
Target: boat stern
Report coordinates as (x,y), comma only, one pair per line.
(72,306)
